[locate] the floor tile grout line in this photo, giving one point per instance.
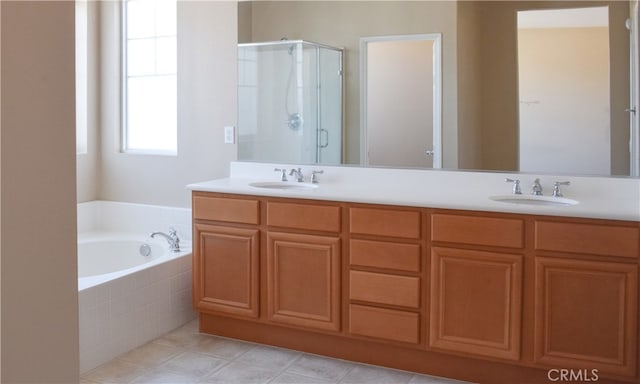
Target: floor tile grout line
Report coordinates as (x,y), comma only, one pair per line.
(288,365)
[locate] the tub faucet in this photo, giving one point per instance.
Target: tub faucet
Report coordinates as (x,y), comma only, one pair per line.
(172,239)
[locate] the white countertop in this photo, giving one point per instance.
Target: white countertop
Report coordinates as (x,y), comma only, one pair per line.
(598,197)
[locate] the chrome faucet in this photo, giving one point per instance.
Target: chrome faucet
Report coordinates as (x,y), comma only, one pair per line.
(516,186)
(283,176)
(536,188)
(172,239)
(556,188)
(314,176)
(298,174)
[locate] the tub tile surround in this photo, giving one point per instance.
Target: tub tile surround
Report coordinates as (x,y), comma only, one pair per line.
(186,356)
(598,197)
(122,313)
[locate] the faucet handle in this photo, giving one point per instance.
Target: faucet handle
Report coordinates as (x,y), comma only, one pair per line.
(516,185)
(284,173)
(556,188)
(314,178)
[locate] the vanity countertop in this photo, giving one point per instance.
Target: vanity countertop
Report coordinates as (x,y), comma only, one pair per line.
(597,197)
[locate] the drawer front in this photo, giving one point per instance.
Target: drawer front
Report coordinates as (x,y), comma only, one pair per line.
(380,254)
(385,222)
(304,216)
(384,323)
(231,210)
(489,231)
(592,239)
(385,289)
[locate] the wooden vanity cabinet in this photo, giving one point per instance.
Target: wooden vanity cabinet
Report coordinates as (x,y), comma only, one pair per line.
(586,296)
(385,281)
(478,296)
(226,255)
(476,284)
(303,268)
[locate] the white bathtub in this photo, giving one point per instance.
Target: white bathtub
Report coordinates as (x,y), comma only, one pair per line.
(127,299)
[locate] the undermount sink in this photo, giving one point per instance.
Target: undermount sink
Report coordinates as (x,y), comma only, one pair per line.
(534,200)
(284,185)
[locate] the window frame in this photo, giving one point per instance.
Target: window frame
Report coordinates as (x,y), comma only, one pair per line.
(124,94)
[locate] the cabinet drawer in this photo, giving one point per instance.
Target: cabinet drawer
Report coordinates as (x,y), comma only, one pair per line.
(304,216)
(225,209)
(385,289)
(592,239)
(384,323)
(489,231)
(385,222)
(380,254)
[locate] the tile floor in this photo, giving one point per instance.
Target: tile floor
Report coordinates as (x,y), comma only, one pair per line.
(187,356)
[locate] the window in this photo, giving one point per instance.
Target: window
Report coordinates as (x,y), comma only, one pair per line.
(149,77)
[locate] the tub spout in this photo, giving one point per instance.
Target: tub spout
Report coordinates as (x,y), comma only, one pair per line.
(172,239)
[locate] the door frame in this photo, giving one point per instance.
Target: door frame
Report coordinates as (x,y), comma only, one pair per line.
(436,38)
(634,118)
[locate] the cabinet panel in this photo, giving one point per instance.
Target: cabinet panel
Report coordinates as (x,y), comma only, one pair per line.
(586,315)
(220,253)
(231,210)
(589,239)
(384,323)
(380,254)
(385,222)
(476,302)
(385,289)
(303,280)
(304,216)
(489,231)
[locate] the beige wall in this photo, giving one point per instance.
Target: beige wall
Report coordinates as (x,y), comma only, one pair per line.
(207,94)
(38,218)
(88,164)
(342,24)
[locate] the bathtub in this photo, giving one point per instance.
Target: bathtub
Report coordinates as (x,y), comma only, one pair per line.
(131,288)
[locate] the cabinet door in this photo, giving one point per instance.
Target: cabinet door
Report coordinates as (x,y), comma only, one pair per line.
(586,315)
(225,270)
(303,280)
(476,302)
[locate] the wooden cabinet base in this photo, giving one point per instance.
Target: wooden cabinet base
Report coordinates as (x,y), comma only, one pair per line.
(384,354)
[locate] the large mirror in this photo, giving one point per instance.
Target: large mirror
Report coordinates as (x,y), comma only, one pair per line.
(482,105)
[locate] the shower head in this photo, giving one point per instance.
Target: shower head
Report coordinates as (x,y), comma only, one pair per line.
(292,48)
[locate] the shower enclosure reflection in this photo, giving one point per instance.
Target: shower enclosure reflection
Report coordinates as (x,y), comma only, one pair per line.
(290,102)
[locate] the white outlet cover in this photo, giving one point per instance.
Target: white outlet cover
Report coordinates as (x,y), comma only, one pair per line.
(229,135)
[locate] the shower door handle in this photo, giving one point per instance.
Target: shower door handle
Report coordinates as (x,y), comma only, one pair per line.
(631,110)
(326,137)
(429,152)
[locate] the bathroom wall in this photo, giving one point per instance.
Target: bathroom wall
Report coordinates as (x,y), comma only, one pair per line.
(207,101)
(88,164)
(39,291)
